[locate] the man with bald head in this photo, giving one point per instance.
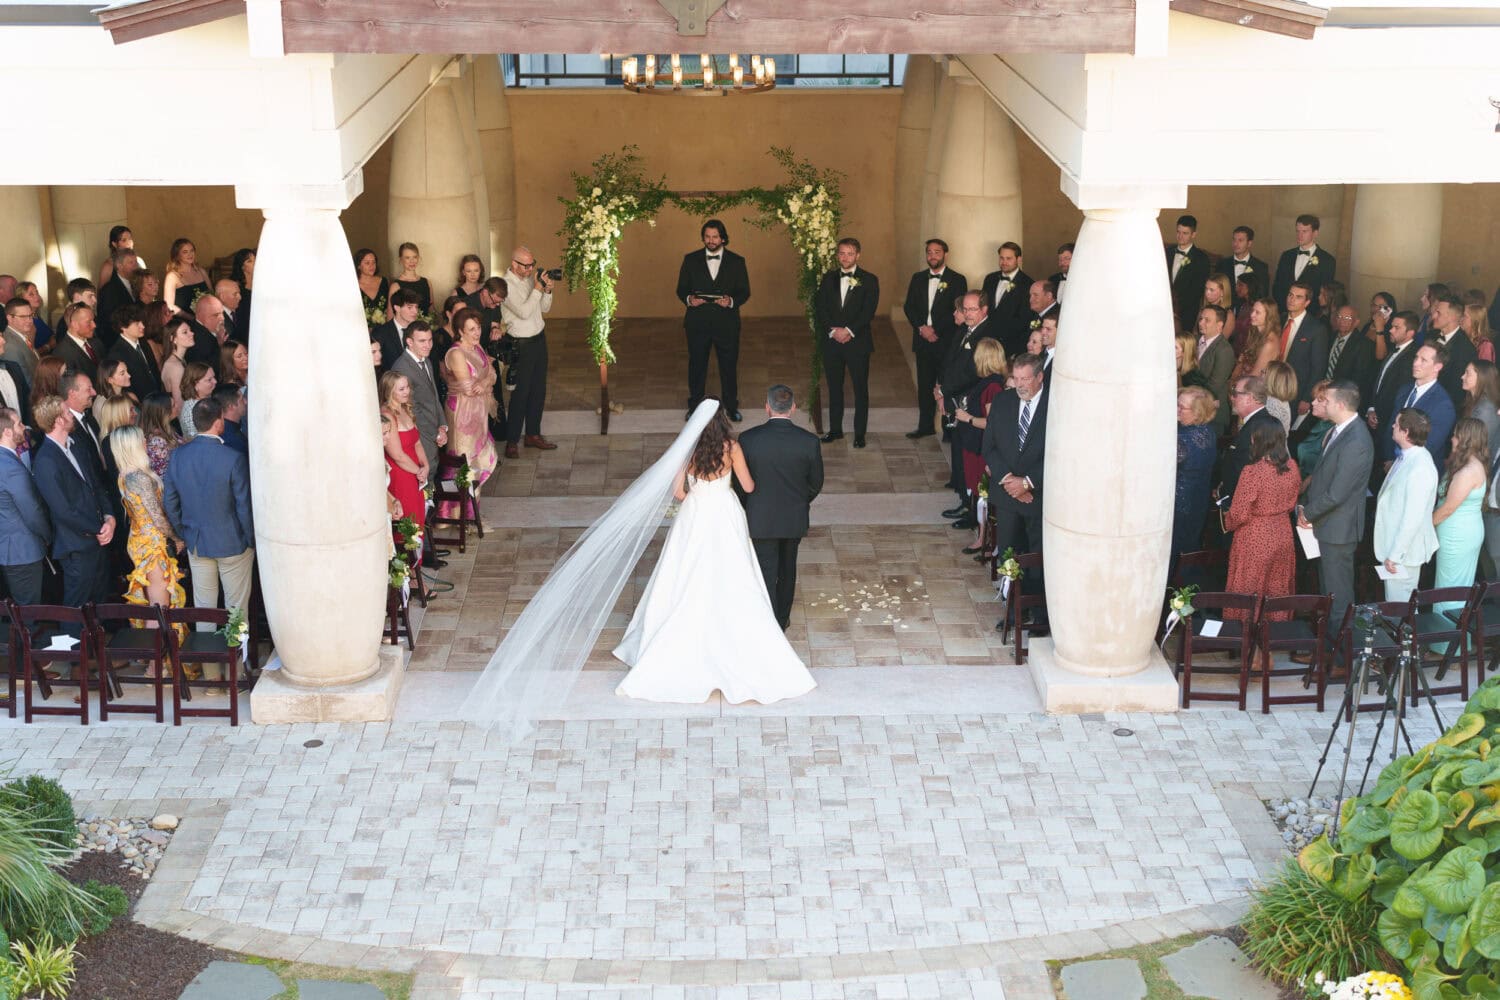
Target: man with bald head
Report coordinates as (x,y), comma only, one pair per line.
(528,298)
(8,286)
(227,291)
(209,333)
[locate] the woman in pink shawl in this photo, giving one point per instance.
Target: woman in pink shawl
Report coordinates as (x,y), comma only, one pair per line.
(471,403)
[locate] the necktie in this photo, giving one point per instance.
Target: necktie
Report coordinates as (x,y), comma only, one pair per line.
(88,346)
(1333,355)
(1025,421)
(1286,339)
(1411,399)
(1328,438)
(1202,343)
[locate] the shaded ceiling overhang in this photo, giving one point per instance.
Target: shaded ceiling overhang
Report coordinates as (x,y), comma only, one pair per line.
(1280,17)
(129,22)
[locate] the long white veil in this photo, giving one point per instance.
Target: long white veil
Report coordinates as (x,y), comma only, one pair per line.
(535,667)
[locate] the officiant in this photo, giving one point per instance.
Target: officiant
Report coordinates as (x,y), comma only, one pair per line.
(713,283)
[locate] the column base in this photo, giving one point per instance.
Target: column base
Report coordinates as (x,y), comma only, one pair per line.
(276,701)
(1067,692)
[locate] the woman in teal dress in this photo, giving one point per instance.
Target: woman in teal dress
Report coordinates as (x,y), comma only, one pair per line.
(1459,523)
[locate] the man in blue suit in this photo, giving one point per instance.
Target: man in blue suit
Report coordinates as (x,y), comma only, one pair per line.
(79,504)
(207,497)
(1425,393)
(25,530)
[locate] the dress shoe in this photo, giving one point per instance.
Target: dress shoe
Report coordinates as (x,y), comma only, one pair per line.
(965,522)
(958,511)
(511,451)
(859,440)
(539,443)
(920,433)
(440,553)
(735,416)
(832,436)
(970,550)
(433,562)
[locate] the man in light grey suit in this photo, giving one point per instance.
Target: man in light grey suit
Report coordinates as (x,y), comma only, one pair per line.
(1216,360)
(20,334)
(25,530)
(1333,503)
(415,362)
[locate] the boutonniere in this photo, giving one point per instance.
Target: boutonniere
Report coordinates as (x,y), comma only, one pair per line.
(1248,270)
(1313,261)
(853,282)
(942,286)
(1035,324)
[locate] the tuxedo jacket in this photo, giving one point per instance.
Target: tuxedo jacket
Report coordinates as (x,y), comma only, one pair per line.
(1335,497)
(1237,455)
(786,463)
(76,358)
(1004,453)
(392,343)
(114,294)
(145,374)
(1011,313)
(1390,377)
(1356,364)
(855,312)
(958,373)
(1309,355)
(943,301)
(78,504)
(733,281)
(1187,287)
(1460,352)
(1441,413)
(1314,276)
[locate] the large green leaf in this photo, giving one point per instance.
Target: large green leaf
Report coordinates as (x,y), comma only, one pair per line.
(1457,947)
(1486,699)
(1427,978)
(1392,777)
(1317,859)
(1466,725)
(1484,922)
(1352,876)
(1449,776)
(1481,987)
(1369,825)
(1460,805)
(1481,772)
(1395,933)
(1417,826)
(1455,881)
(1438,924)
(1389,876)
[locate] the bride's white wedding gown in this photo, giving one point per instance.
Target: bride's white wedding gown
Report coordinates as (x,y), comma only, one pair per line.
(705,623)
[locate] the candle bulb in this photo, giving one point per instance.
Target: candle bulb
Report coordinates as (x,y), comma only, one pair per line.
(760,74)
(650,71)
(676,62)
(739,77)
(770,65)
(734,61)
(708,76)
(676,77)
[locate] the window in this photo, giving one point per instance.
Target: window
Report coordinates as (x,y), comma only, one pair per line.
(792,70)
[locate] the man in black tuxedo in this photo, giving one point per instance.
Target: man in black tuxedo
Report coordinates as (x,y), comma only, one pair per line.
(1304,343)
(75,345)
(145,375)
(1014,446)
(958,376)
(1007,297)
(82,520)
(1248,401)
(713,283)
(391,335)
(1351,356)
(1447,313)
(844,306)
(1306,262)
(786,463)
(930,298)
(1187,269)
(114,293)
(1241,260)
(1064,265)
(78,395)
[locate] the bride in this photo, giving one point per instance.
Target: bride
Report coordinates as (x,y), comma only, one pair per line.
(723,635)
(705,622)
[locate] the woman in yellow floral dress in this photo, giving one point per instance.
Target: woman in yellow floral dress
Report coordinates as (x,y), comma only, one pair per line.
(152,544)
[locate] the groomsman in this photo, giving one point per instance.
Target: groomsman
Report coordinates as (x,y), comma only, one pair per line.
(713,283)
(1007,296)
(1306,262)
(1240,260)
(930,298)
(844,306)
(1064,264)
(1187,267)
(1447,312)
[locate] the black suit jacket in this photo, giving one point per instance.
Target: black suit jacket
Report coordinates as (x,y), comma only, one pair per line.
(1261,269)
(1356,364)
(145,375)
(206,348)
(391,343)
(1187,289)
(733,281)
(75,358)
(1460,352)
(1386,382)
(84,447)
(1004,453)
(1013,312)
(786,463)
(112,296)
(915,306)
(855,312)
(77,505)
(1237,455)
(1314,276)
(1309,355)
(958,374)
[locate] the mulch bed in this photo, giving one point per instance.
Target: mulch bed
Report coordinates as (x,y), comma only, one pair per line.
(130,961)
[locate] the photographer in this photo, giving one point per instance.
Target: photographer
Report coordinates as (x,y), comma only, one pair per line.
(529,298)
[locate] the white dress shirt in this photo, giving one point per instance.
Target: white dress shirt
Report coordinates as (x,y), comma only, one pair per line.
(1303,258)
(524,306)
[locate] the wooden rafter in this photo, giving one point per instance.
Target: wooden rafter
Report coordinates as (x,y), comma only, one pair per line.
(1281,17)
(130,22)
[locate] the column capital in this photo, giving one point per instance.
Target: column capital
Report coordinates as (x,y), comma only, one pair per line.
(308,197)
(1123,197)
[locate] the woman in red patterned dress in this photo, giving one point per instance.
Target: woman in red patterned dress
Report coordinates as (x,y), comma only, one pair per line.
(1261,560)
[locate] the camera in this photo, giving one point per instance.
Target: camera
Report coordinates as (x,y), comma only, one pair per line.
(552,274)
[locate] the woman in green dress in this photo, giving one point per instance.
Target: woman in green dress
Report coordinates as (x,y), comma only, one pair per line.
(1459,523)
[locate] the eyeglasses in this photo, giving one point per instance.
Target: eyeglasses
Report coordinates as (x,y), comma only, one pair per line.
(522,263)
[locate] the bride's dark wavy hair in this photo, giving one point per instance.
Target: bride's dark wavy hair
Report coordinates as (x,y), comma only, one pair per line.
(708,454)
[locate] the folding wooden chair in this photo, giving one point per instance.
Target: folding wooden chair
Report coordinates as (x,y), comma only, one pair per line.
(1234,636)
(202,649)
(130,641)
(1306,631)
(36,657)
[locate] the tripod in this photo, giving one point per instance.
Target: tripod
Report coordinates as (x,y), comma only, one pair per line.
(1392,680)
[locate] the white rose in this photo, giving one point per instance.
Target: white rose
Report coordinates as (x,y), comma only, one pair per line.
(596,192)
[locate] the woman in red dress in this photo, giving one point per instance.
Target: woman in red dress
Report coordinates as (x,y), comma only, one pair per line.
(1261,560)
(403,453)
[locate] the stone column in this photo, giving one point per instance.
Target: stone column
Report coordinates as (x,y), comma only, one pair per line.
(1398,231)
(432,187)
(82,217)
(942,112)
(918,93)
(497,149)
(979,181)
(24,250)
(1110,466)
(317,479)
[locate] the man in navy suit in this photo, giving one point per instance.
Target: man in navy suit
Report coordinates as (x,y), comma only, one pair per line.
(1426,394)
(207,497)
(713,283)
(1304,343)
(844,307)
(1014,447)
(78,503)
(25,530)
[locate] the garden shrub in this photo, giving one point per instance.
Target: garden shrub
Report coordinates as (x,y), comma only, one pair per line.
(49,805)
(1298,927)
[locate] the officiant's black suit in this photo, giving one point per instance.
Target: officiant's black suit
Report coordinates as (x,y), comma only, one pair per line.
(855,312)
(786,463)
(712,326)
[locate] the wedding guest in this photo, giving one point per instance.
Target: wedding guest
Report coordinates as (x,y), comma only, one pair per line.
(444,336)
(1014,451)
(1249,289)
(130,352)
(1395,372)
(1351,357)
(1311,445)
(78,394)
(234,362)
(470,280)
(114,383)
(157,315)
(146,286)
(82,519)
(1428,302)
(185,280)
(210,331)
(176,340)
(115,294)
(1196,450)
(374,289)
(1215,356)
(1306,262)
(408,279)
(48,381)
(227,291)
(1262,342)
(1458,519)
(242,272)
(1377,327)
(1216,292)
(409,468)
(1481,385)
(1186,353)
(1261,559)
(1281,393)
(155,577)
(231,399)
(207,499)
(1304,341)
(27,290)
(1404,535)
(1447,329)
(20,330)
(1476,325)
(25,529)
(76,346)
(959,376)
(1427,394)
(156,424)
(1064,265)
(120,238)
(1331,298)
(391,335)
(427,388)
(528,298)
(989,362)
(1048,334)
(198,383)
(471,379)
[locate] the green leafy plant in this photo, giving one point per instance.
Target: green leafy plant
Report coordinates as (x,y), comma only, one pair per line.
(236,630)
(1424,847)
(1298,927)
(34,896)
(1181,600)
(45,969)
(50,806)
(10,977)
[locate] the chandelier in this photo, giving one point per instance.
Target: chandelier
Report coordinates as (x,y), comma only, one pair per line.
(648,75)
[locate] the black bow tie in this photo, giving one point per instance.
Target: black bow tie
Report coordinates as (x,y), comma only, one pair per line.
(847,274)
(713,256)
(1185,253)
(934,277)
(1304,253)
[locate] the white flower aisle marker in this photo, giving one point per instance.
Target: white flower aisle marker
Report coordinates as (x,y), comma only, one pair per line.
(236,632)
(1010,572)
(1181,603)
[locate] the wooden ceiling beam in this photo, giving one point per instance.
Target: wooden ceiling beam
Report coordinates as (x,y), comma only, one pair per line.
(1280,17)
(131,22)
